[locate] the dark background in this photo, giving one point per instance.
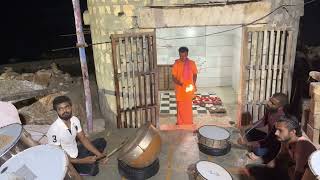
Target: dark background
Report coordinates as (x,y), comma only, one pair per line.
(31,29)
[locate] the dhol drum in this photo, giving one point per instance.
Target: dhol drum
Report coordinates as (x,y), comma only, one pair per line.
(143,148)
(313,171)
(39,162)
(213,140)
(205,170)
(10,141)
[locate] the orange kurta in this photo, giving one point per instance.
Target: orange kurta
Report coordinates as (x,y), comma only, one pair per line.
(183,98)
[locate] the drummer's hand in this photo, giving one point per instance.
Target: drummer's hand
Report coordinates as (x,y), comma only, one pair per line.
(105,161)
(271,164)
(242,141)
(99,156)
(89,159)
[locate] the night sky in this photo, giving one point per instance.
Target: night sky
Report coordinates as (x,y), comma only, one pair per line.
(32,28)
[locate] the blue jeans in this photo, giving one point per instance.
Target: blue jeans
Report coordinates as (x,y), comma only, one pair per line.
(269,145)
(257,135)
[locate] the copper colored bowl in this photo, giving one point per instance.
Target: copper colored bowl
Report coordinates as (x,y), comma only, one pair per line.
(143,148)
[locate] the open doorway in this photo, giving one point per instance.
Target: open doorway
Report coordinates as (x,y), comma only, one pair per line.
(216,52)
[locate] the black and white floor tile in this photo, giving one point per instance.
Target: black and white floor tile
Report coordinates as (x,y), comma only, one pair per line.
(168,104)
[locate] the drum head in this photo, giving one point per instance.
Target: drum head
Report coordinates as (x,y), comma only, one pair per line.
(214,132)
(38,162)
(314,163)
(210,170)
(9,136)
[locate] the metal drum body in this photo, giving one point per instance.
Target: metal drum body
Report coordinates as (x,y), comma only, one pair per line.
(39,162)
(214,138)
(313,172)
(143,148)
(15,145)
(206,170)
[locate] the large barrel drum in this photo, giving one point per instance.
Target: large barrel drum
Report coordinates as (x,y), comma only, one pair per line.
(143,148)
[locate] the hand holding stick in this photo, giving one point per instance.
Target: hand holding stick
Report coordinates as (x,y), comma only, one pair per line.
(112,152)
(242,140)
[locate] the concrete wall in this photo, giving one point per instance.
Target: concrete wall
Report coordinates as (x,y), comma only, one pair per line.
(107,17)
(237,44)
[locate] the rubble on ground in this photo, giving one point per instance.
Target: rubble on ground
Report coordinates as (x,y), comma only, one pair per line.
(9,87)
(40,111)
(48,78)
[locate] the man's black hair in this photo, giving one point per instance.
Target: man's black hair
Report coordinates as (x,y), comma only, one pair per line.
(60,99)
(283,98)
(292,123)
(183,49)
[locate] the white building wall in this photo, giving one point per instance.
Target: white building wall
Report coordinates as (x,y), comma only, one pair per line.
(214,54)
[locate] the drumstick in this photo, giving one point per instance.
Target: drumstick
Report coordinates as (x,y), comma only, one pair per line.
(113,151)
(245,134)
(253,127)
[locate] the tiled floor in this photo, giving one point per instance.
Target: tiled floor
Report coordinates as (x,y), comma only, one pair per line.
(228,97)
(168,104)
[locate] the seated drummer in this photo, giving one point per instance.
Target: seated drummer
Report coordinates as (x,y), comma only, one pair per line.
(292,162)
(265,145)
(64,131)
(298,147)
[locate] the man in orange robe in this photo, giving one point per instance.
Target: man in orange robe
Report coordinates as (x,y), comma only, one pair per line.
(184,75)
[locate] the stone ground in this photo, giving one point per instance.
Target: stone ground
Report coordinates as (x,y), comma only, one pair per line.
(179,150)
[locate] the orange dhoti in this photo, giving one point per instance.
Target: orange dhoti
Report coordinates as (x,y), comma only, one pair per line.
(184,93)
(184,112)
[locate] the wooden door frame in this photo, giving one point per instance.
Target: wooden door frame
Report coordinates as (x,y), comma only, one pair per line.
(244,61)
(153,75)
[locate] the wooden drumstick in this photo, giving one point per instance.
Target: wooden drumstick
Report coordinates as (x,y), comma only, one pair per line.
(245,134)
(113,151)
(256,125)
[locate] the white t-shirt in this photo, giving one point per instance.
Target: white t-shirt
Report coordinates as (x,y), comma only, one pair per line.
(59,134)
(9,114)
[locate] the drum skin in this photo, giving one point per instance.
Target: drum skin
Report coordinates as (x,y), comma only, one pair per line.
(143,148)
(223,173)
(46,162)
(312,172)
(214,144)
(16,146)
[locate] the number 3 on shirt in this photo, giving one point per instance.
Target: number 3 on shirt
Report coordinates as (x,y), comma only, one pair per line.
(54,138)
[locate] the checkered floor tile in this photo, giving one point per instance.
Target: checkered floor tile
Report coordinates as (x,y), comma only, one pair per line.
(168,104)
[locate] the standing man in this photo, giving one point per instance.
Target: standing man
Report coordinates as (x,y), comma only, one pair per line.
(64,131)
(265,146)
(184,75)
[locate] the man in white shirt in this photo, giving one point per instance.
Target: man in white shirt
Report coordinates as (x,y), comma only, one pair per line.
(64,131)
